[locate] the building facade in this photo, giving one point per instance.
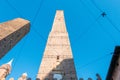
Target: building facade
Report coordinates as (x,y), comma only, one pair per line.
(11,32)
(114,70)
(57,62)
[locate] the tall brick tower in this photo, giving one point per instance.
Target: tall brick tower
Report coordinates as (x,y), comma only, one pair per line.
(57,62)
(11,32)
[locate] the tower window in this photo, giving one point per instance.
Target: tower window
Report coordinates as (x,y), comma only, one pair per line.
(58,57)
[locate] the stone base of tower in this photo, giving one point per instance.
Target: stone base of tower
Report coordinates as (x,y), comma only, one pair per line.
(65,69)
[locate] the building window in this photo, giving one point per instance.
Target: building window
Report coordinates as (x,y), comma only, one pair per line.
(58,57)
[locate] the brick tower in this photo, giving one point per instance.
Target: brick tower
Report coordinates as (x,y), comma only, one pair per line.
(11,32)
(57,62)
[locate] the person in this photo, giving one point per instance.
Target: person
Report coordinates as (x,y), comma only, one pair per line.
(29,79)
(11,79)
(89,78)
(98,76)
(23,77)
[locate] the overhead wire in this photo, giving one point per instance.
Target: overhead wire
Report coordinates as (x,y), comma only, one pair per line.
(110,21)
(93,2)
(81,1)
(34,19)
(38,10)
(105,15)
(102,28)
(95,60)
(97,20)
(108,33)
(33,28)
(87,29)
(17,56)
(90,26)
(117,29)
(14,8)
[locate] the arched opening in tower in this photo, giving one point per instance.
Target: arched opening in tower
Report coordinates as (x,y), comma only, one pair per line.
(57,77)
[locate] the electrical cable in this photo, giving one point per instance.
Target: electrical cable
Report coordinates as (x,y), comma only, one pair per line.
(102,28)
(109,34)
(93,2)
(17,56)
(97,21)
(96,60)
(117,29)
(14,8)
(110,21)
(34,18)
(87,30)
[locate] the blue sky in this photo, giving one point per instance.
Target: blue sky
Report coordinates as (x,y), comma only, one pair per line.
(92,36)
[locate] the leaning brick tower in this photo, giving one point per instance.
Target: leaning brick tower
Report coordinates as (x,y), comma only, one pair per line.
(11,32)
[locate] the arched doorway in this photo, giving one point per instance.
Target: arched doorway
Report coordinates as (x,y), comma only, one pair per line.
(57,77)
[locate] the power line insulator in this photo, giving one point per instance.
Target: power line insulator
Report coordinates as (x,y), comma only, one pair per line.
(103,14)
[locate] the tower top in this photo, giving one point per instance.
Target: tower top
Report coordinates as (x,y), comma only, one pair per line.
(59,22)
(10,62)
